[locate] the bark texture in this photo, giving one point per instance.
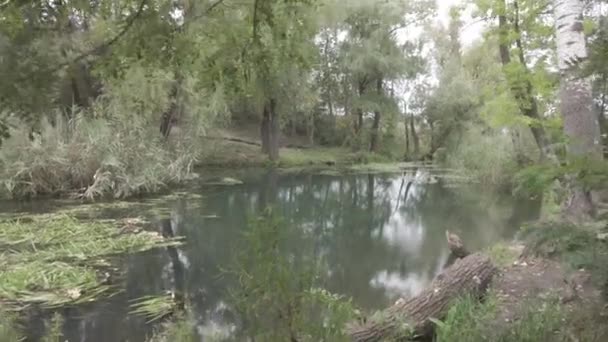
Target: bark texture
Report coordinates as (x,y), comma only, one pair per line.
(580,122)
(410,318)
(269,130)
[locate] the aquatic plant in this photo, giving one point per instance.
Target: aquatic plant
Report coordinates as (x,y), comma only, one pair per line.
(279,291)
(54,260)
(153,308)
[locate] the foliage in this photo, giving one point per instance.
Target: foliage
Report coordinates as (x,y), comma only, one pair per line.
(278,294)
(578,246)
(96,158)
(484,157)
(474,321)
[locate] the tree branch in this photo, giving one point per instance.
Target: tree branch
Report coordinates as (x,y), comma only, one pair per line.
(100,48)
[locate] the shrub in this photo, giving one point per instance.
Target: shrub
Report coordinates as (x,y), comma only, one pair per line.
(484,157)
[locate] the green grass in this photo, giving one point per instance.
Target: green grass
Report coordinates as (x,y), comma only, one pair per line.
(579,246)
(92,158)
(473,321)
(234,154)
(55,260)
(503,254)
(7,327)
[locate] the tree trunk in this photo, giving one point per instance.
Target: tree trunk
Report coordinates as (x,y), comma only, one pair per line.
(273,153)
(414,136)
(523,94)
(265,130)
(601,117)
(359,123)
(413,317)
(375,136)
(407,136)
(580,122)
(169,117)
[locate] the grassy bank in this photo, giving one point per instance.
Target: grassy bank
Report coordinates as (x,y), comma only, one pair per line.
(225,153)
(97,158)
(550,288)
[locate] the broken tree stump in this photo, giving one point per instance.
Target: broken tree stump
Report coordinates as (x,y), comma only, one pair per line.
(413,317)
(456,245)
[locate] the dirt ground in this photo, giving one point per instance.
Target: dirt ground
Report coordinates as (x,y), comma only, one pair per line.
(536,278)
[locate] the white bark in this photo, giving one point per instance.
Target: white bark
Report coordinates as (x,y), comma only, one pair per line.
(580,122)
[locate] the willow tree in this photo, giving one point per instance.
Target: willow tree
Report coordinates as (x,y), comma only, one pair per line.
(282,40)
(374,56)
(576,101)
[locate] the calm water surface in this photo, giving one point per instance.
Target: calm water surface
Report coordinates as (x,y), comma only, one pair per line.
(383,236)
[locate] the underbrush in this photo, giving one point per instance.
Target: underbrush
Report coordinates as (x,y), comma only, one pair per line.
(91,158)
(474,321)
(488,158)
(579,246)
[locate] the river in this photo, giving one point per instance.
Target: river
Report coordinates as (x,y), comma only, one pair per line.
(381,235)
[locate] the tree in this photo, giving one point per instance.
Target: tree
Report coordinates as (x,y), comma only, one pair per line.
(576,103)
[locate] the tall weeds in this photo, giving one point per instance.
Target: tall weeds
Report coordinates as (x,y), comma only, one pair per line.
(91,158)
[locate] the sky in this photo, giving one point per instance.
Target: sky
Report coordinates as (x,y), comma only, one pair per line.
(472,29)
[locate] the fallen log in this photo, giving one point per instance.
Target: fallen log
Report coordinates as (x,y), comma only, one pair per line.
(414,317)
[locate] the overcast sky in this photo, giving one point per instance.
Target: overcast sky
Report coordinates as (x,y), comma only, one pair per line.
(472,29)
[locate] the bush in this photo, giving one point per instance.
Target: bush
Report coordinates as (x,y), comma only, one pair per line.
(91,158)
(485,157)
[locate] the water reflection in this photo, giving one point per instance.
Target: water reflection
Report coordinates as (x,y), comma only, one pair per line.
(382,236)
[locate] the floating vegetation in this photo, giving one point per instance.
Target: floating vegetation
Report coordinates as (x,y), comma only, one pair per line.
(154,308)
(224,181)
(55,260)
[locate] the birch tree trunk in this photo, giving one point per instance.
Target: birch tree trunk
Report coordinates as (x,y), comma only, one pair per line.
(580,122)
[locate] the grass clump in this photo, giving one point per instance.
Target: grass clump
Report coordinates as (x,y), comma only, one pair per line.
(153,308)
(57,260)
(503,254)
(473,321)
(91,158)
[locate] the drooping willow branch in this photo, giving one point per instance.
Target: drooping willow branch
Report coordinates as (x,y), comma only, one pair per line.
(101,47)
